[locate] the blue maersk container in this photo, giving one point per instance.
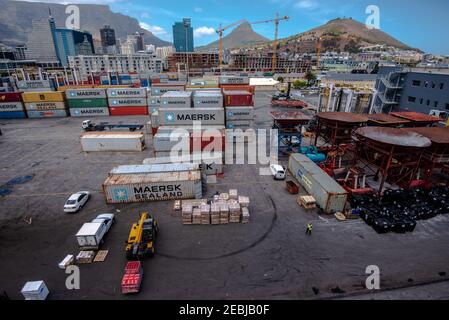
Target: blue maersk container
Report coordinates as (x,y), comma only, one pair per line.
(12,115)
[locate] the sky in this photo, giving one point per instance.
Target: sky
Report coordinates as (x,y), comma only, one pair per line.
(418,23)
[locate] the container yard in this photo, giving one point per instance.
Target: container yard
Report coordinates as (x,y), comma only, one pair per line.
(373,186)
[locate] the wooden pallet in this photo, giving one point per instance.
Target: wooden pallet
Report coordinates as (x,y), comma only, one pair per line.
(307,202)
(101,255)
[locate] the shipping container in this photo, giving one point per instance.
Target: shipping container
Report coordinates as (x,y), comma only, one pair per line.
(190,129)
(211,142)
(183,116)
(128,111)
(10,97)
(87,103)
(239,124)
(112,141)
(44,106)
(128,102)
(176,99)
(12,115)
(154,101)
(89,112)
(239,113)
(47,96)
(85,93)
(233,80)
(154,119)
(153,187)
(127,93)
(153,168)
(207,99)
(238,98)
(210,163)
(165,141)
(153,109)
(235,87)
(75,87)
(329,195)
(35,85)
(47,114)
(11,106)
(160,89)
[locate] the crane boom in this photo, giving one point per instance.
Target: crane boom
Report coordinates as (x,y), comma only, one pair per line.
(220,33)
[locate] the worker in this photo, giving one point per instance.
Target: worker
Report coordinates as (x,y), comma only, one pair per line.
(309,229)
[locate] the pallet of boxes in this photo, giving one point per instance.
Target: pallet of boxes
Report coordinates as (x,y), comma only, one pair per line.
(225,208)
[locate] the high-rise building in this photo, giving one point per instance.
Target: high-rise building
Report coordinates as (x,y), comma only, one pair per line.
(41,42)
(107,35)
(72,43)
(183,36)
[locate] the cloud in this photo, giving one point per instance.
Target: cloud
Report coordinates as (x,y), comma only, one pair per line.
(203,31)
(156,30)
(198,9)
(306,4)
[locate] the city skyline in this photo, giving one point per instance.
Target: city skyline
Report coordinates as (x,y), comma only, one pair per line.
(422,25)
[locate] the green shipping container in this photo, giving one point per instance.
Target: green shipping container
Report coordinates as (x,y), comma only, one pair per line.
(87,103)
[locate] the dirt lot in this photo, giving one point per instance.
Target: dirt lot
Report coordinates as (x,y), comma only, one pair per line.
(270,258)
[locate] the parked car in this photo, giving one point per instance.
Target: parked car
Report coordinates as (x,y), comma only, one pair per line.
(278,171)
(107,218)
(76,201)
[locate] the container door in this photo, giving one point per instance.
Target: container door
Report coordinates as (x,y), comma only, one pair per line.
(91,241)
(82,241)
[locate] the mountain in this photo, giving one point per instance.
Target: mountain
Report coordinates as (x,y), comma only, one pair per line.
(242,35)
(341,34)
(16,17)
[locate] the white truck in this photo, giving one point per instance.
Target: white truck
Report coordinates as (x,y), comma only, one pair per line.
(91,235)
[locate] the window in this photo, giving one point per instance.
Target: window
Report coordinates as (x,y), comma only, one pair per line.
(421,101)
(447,106)
(416,83)
(428,102)
(435,104)
(411,99)
(441,86)
(433,85)
(426,84)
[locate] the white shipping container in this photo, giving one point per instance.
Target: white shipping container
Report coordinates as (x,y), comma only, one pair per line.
(90,235)
(329,195)
(89,112)
(207,99)
(11,106)
(163,141)
(112,141)
(240,113)
(85,94)
(160,90)
(154,101)
(35,290)
(34,85)
(176,99)
(127,93)
(127,102)
(190,128)
(153,187)
(182,116)
(153,168)
(239,124)
(209,164)
(233,80)
(44,106)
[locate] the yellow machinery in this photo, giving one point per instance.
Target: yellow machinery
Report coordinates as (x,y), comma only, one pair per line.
(141,238)
(447,123)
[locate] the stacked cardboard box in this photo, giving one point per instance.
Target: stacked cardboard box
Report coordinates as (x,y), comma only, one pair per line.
(187,211)
(245,215)
(234,211)
(205,214)
(244,201)
(233,194)
(196,216)
(215,213)
(224,213)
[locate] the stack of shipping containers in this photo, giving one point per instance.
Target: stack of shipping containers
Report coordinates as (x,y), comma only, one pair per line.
(48,104)
(127,101)
(87,102)
(11,106)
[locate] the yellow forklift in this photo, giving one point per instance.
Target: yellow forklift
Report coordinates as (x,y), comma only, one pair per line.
(141,238)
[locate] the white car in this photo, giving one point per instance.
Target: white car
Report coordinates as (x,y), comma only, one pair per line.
(107,218)
(76,201)
(278,171)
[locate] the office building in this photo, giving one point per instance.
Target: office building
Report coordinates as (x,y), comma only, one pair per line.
(263,62)
(193,62)
(107,35)
(411,89)
(72,43)
(183,36)
(41,42)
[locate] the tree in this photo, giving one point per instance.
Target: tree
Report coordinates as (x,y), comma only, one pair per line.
(310,77)
(281,79)
(299,84)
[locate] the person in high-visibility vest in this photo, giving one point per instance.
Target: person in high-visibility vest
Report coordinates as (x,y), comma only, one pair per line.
(309,229)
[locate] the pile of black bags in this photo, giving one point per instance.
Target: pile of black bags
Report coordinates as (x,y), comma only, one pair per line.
(399,210)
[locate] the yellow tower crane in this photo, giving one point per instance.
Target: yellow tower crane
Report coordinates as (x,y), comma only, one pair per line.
(276,33)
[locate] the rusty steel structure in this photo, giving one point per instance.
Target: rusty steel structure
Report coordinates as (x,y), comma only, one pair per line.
(393,153)
(336,128)
(386,120)
(437,155)
(416,119)
(289,125)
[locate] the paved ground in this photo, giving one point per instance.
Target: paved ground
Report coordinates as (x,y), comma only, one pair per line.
(270,258)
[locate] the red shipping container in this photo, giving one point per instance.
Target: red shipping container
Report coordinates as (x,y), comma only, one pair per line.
(237,87)
(128,111)
(238,99)
(205,140)
(10,97)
